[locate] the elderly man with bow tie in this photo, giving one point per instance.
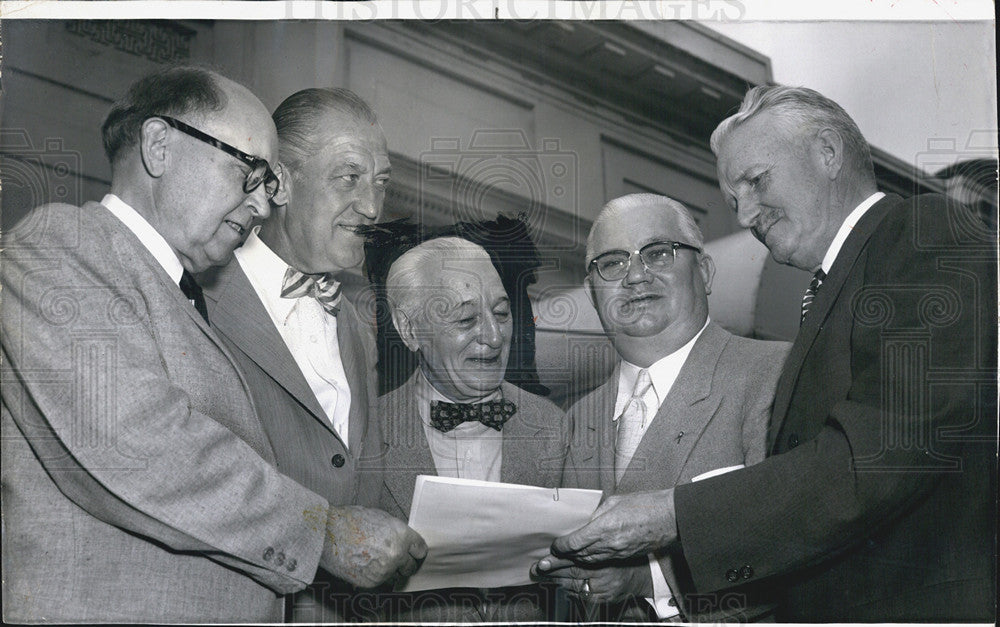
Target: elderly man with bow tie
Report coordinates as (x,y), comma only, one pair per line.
(456,416)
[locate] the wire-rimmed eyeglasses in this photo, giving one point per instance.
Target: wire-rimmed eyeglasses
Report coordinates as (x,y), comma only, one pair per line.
(614,264)
(260,171)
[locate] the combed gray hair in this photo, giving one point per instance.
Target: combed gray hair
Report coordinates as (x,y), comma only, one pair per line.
(405,284)
(619,208)
(803,108)
(298,119)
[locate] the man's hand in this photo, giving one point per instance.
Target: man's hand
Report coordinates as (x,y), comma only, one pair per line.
(590,584)
(367,547)
(625,525)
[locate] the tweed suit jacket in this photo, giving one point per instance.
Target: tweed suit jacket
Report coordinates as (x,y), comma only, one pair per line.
(714,416)
(877,501)
(533,453)
(138,483)
(305,444)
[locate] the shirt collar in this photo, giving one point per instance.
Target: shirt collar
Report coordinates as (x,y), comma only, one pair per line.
(845,229)
(267,271)
(662,372)
(148,236)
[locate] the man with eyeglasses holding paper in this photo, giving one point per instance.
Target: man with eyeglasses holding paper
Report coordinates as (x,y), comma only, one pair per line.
(138,482)
(687,399)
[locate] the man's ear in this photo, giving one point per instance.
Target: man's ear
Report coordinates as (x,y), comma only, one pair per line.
(830,147)
(154,146)
(707,268)
(285,177)
(404,326)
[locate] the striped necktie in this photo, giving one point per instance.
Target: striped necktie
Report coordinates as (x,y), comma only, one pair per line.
(810,294)
(322,287)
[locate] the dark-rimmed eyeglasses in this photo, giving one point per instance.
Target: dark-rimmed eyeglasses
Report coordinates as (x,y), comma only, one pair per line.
(614,264)
(260,171)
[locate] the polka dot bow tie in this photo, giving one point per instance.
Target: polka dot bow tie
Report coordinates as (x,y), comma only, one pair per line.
(447,416)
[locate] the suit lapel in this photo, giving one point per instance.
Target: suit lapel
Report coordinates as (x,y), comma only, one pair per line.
(522,449)
(352,356)
(596,432)
(828,294)
(407,453)
(682,417)
(240,316)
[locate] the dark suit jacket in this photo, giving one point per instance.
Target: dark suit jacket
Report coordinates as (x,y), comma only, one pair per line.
(534,450)
(306,446)
(878,500)
(138,483)
(715,416)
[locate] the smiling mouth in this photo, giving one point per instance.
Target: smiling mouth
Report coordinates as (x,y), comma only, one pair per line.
(485,361)
(236,226)
(642,299)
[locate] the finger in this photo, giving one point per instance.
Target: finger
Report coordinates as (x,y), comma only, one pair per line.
(408,568)
(417,548)
(548,564)
(575,543)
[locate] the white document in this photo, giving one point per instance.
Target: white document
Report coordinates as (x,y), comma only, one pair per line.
(482,534)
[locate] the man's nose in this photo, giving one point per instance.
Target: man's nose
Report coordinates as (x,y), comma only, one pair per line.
(637,271)
(259,203)
(490,332)
(746,213)
(368,202)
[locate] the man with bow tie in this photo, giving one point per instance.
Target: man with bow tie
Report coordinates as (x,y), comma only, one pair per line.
(456,416)
(307,355)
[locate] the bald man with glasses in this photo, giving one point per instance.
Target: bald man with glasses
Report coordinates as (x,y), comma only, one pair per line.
(686,399)
(139,485)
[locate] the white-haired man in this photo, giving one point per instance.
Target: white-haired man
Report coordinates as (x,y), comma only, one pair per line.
(456,416)
(686,398)
(878,499)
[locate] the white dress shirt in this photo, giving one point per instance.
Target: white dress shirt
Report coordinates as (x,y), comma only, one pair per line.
(148,236)
(662,373)
(845,229)
(471,450)
(309,332)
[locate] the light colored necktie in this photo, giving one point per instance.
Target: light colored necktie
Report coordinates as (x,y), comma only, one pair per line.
(631,423)
(810,294)
(322,287)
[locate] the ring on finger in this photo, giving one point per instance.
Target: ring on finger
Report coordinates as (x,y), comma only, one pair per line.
(585,590)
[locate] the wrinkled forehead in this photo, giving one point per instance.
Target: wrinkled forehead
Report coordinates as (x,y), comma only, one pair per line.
(467,279)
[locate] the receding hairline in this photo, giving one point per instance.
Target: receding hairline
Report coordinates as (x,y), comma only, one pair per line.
(664,206)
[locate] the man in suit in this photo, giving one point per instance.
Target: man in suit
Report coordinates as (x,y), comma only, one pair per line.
(307,355)
(877,501)
(138,482)
(686,398)
(456,416)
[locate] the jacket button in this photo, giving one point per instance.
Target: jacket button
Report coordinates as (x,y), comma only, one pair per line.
(291,564)
(268,554)
(793,440)
(746,572)
(732,575)
(338,460)
(279,559)
(672,602)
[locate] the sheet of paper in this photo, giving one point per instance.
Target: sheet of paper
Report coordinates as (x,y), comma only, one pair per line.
(487,535)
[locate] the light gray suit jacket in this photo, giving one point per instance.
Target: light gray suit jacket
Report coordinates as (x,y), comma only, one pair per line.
(305,444)
(716,415)
(138,484)
(534,451)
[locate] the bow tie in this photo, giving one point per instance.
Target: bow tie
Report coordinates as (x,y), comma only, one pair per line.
(447,416)
(322,287)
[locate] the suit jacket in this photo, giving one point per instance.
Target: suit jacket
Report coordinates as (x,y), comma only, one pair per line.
(138,483)
(305,444)
(877,501)
(714,416)
(533,453)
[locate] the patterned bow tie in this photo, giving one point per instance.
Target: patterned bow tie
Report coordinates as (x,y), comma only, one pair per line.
(322,287)
(447,416)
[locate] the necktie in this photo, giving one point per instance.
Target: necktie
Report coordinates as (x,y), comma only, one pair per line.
(447,416)
(192,291)
(324,288)
(631,423)
(810,294)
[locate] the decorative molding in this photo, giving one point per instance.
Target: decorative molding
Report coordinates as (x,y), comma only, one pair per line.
(160,42)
